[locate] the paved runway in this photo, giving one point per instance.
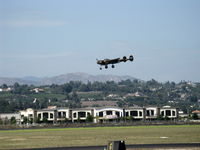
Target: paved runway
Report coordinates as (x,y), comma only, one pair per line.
(174,145)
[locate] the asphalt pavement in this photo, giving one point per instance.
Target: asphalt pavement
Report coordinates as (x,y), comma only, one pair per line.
(174,145)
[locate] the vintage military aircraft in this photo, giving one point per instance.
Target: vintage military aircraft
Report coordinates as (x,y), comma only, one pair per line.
(106,62)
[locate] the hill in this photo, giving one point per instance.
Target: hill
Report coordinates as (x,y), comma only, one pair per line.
(61,79)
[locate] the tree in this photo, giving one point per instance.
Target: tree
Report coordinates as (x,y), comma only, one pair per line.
(30,121)
(79,120)
(121,103)
(89,118)
(193,99)
(160,117)
(195,116)
(4,86)
(84,88)
(21,89)
(25,120)
(37,120)
(67,88)
(6,121)
(1,121)
(16,85)
(130,118)
(75,97)
(65,120)
(4,106)
(13,120)
(166,118)
(45,120)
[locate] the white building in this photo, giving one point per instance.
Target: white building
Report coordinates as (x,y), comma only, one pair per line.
(47,115)
(152,112)
(37,90)
(8,116)
(64,114)
(99,114)
(29,113)
(81,114)
(107,114)
(169,112)
(135,112)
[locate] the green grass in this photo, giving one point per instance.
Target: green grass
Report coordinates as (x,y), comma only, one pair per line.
(45,95)
(93,94)
(59,137)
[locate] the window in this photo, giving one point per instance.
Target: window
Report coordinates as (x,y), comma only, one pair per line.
(81,114)
(39,116)
(148,113)
(127,114)
(108,112)
(59,114)
(74,115)
(173,113)
(64,114)
(140,113)
(168,112)
(46,115)
(152,112)
(162,113)
(117,113)
(51,115)
(134,113)
(101,114)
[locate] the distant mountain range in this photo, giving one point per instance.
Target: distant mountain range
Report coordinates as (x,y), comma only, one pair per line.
(61,79)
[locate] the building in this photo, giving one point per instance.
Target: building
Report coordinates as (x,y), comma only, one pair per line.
(137,113)
(151,113)
(197,112)
(99,114)
(64,114)
(37,90)
(107,114)
(47,115)
(27,116)
(167,111)
(81,114)
(7,116)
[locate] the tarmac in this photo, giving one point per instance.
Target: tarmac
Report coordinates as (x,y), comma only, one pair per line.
(172,146)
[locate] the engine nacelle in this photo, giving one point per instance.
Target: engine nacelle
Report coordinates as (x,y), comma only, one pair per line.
(131,58)
(124,59)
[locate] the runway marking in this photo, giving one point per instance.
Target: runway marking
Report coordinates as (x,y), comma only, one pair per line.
(164,137)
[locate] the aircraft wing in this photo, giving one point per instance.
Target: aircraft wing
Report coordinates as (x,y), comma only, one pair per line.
(114,61)
(108,61)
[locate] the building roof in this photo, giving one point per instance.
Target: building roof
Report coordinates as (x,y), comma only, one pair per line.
(196,112)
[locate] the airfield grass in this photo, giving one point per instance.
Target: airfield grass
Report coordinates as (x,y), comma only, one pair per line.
(65,137)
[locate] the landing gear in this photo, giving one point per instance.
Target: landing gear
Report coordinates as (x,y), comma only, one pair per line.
(113,66)
(124,59)
(106,66)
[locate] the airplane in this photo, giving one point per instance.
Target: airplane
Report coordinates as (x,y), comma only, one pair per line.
(106,62)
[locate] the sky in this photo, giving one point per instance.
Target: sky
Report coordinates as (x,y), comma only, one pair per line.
(52,37)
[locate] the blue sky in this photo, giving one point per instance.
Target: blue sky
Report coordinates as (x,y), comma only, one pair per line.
(53,37)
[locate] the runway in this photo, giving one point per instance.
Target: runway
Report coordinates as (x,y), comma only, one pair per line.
(133,146)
